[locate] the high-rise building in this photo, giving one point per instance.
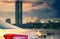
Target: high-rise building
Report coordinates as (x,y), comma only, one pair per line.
(18,12)
(8,20)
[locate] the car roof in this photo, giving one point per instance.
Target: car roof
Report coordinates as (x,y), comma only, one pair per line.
(4,25)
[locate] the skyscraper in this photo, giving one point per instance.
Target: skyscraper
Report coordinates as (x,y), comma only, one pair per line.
(18,12)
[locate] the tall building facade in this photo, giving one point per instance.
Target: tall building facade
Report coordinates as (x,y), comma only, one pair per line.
(18,12)
(8,20)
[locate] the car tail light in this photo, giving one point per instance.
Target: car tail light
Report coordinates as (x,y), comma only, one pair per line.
(15,36)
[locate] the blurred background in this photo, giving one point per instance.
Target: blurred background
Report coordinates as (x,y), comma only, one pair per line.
(33,10)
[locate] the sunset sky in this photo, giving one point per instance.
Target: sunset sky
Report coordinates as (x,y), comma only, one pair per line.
(32,9)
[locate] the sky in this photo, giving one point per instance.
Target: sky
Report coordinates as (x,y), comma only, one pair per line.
(37,9)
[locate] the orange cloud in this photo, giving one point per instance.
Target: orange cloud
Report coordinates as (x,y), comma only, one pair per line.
(7,7)
(27,6)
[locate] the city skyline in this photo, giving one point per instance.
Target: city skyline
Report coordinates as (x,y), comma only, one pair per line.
(7,10)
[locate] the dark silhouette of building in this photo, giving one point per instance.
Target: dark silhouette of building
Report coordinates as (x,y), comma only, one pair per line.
(8,20)
(18,12)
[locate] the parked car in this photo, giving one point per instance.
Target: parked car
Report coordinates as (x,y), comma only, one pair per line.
(6,28)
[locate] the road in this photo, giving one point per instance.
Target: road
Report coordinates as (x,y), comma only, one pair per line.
(55,32)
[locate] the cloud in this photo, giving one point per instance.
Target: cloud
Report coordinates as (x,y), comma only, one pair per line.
(7,14)
(7,10)
(45,12)
(41,10)
(28,7)
(7,7)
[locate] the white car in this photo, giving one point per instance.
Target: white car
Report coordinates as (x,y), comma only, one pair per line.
(6,28)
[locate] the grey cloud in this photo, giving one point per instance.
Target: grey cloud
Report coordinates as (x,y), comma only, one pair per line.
(49,2)
(7,14)
(41,13)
